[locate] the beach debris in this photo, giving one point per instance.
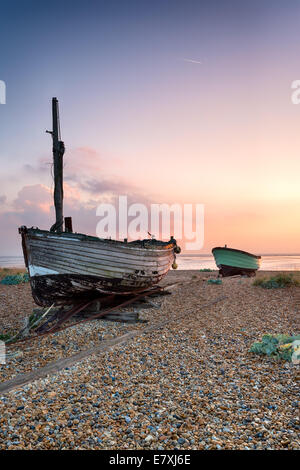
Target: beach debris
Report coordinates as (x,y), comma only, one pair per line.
(63,314)
(279,346)
(15,279)
(5,337)
(152,304)
(123,316)
(277,282)
(14,354)
(26,327)
(214,281)
(29,323)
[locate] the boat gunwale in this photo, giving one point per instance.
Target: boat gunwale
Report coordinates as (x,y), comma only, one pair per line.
(37,242)
(236,251)
(147,244)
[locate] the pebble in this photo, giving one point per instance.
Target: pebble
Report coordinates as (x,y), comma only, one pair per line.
(197,387)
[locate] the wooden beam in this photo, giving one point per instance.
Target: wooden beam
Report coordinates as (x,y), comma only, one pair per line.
(58,152)
(68,224)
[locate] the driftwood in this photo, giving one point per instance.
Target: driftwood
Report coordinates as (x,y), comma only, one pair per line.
(128,317)
(152,304)
(91,310)
(114,315)
(26,327)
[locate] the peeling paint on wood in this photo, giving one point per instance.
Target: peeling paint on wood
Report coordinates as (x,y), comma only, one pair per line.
(62,271)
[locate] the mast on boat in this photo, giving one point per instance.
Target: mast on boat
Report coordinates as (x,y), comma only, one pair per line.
(58,152)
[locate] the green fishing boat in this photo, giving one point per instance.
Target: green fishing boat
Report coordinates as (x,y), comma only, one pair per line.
(232,262)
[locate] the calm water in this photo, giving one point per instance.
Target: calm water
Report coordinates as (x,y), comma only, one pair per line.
(268,263)
(12,262)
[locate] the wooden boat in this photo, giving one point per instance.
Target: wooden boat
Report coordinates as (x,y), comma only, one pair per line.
(231,261)
(65,267)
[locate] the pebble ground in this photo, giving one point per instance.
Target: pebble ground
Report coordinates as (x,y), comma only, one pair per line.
(190,385)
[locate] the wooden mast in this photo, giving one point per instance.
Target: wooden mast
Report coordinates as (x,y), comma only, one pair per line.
(58,152)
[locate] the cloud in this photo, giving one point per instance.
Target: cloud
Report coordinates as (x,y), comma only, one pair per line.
(42,167)
(193,61)
(83,192)
(33,206)
(81,167)
(82,160)
(94,186)
(34,198)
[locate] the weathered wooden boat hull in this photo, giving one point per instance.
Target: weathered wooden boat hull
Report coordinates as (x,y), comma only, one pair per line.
(232,262)
(226,271)
(71,288)
(67,267)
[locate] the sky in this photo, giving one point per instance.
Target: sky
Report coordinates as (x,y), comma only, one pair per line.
(164,101)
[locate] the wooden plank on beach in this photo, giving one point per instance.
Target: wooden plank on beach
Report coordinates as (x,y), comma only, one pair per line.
(54,367)
(59,365)
(115,315)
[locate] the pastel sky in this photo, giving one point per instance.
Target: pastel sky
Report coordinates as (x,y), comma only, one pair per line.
(165,101)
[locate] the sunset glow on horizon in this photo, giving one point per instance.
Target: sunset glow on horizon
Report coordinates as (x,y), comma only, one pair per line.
(168,102)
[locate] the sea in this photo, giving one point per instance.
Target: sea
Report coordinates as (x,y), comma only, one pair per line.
(196,261)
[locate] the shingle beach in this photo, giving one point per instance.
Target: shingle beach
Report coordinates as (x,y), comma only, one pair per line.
(189,384)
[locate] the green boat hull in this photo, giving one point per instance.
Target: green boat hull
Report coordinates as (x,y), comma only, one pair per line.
(231,261)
